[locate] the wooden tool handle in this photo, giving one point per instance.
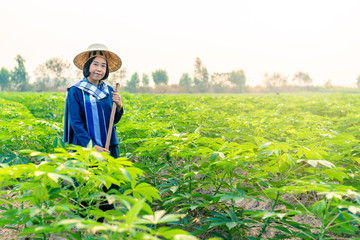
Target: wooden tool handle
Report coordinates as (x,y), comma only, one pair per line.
(117,88)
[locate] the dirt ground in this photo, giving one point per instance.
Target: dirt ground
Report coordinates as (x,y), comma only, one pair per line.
(9,234)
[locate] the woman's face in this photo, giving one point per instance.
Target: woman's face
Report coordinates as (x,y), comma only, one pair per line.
(97,69)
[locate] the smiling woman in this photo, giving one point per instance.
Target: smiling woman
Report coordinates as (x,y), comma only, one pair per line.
(95,70)
(89,104)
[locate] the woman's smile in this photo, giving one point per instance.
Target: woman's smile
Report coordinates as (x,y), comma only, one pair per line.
(97,70)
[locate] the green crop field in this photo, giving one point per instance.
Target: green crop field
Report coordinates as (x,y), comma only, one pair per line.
(191,167)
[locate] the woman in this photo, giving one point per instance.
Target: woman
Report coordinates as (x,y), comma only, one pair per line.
(89,101)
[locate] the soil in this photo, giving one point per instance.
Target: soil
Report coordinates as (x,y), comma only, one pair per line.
(265,204)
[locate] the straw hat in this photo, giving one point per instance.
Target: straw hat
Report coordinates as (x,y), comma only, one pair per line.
(98,50)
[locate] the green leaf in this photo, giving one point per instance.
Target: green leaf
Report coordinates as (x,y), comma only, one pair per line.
(354,209)
(55,177)
(147,191)
(55,142)
(170,233)
(184,237)
(357,197)
(325,163)
(232,215)
(230,196)
(230,225)
(189,174)
(131,215)
(319,207)
(240,192)
(215,224)
(214,156)
(126,174)
(40,193)
(264,145)
(160,217)
(266,215)
(336,174)
(281,228)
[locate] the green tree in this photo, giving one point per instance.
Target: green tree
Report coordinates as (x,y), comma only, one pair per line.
(19,76)
(358,81)
(205,75)
(133,84)
(117,77)
(219,81)
(201,76)
(198,68)
(4,79)
(145,80)
(185,81)
(52,74)
(275,82)
(42,81)
(328,84)
(302,78)
(160,77)
(59,68)
(238,79)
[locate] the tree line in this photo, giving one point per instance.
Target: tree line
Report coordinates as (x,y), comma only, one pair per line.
(56,74)
(50,76)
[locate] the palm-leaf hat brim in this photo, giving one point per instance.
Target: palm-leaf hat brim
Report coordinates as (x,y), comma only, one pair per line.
(98,50)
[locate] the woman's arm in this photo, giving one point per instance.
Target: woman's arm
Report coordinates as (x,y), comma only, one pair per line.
(77,120)
(119,106)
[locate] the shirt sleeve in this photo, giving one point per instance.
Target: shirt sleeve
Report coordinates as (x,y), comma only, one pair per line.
(77,117)
(118,115)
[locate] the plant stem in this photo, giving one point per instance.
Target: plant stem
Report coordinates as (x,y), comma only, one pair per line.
(332,220)
(268,219)
(323,227)
(283,223)
(217,189)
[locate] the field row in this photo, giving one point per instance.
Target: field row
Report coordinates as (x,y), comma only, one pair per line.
(234,166)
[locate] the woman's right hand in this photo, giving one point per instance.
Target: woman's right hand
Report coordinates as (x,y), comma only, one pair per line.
(101,149)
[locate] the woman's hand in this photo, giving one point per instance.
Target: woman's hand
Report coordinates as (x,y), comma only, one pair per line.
(101,149)
(117,100)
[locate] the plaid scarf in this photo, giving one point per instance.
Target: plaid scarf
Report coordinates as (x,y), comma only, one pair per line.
(95,118)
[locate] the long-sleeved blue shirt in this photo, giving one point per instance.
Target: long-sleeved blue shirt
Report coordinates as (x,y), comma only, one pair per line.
(79,134)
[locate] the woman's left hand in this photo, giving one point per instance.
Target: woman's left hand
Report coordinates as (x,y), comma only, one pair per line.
(117,100)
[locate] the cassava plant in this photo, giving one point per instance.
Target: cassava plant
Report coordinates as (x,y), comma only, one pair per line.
(46,199)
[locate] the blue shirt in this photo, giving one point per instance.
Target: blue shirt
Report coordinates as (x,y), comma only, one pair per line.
(79,134)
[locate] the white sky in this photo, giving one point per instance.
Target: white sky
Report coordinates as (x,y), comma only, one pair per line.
(319,37)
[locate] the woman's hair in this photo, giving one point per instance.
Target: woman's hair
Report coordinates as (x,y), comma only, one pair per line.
(86,69)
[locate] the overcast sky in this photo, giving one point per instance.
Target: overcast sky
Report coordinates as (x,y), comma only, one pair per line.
(319,37)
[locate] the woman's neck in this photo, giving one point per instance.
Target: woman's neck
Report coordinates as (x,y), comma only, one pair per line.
(96,83)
